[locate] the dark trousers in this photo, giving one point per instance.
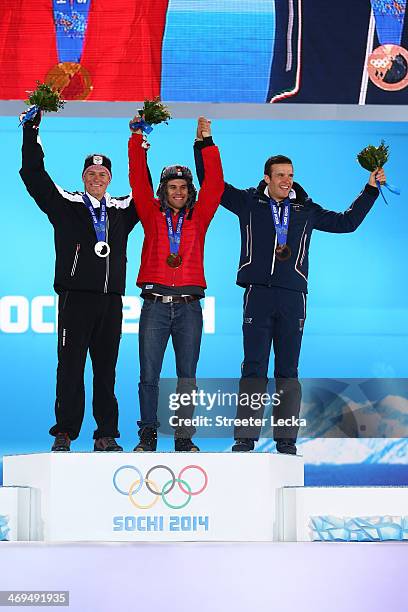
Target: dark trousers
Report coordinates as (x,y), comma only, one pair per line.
(87,321)
(158,321)
(272,317)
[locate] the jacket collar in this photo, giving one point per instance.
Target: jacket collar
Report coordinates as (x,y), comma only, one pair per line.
(297,194)
(292,194)
(96,203)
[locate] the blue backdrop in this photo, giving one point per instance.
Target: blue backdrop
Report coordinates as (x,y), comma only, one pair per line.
(218,51)
(357,307)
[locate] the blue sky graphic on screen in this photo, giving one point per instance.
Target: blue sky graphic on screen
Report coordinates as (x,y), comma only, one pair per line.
(218,51)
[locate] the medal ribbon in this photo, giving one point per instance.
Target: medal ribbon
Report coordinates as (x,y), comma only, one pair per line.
(174,235)
(99,226)
(389,20)
(70,19)
(281,228)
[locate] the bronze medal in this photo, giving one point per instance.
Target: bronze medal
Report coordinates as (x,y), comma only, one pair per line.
(283,252)
(174,260)
(71,80)
(388,67)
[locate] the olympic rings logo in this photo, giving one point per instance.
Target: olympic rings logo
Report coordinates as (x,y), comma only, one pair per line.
(136,485)
(380,63)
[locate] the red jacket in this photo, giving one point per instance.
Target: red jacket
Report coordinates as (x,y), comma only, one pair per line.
(122,48)
(153,268)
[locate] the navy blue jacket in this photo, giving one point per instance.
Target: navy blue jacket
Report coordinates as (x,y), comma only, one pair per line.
(258,264)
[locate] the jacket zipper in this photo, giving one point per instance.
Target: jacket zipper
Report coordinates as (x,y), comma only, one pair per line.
(105,289)
(273,256)
(74,265)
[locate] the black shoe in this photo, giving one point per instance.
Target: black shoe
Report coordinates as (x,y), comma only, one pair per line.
(107,444)
(243,445)
(287,447)
(62,443)
(148,440)
(185,445)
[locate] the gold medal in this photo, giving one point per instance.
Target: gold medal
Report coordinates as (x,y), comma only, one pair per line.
(71,80)
(388,67)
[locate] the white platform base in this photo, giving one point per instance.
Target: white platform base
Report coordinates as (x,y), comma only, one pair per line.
(348,514)
(15,506)
(131,497)
(212,576)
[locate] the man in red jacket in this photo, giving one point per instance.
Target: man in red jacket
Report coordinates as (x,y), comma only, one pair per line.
(171,277)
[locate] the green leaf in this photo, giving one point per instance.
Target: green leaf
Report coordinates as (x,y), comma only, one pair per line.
(372,157)
(155,112)
(45,98)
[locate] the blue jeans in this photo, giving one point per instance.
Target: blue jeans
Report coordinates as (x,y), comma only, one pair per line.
(158,321)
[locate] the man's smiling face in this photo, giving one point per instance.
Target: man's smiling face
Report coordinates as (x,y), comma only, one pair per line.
(280,181)
(177,193)
(96,182)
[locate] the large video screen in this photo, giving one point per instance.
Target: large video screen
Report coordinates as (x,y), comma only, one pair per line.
(298,51)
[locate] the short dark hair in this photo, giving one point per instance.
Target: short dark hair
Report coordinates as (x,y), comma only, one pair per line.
(276,159)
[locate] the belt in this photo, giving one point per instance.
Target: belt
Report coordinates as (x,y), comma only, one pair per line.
(174,299)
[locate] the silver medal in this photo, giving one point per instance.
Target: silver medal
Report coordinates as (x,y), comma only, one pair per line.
(102,248)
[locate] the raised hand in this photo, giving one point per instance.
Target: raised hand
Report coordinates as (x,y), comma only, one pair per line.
(377,175)
(31,117)
(135,119)
(203,128)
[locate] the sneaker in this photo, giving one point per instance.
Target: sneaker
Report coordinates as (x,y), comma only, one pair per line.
(287,447)
(62,443)
(243,445)
(148,440)
(107,444)
(185,445)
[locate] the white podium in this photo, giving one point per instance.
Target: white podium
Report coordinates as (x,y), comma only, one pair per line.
(344,514)
(134,497)
(16,504)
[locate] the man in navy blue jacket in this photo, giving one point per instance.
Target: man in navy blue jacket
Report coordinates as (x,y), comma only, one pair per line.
(311,56)
(273,269)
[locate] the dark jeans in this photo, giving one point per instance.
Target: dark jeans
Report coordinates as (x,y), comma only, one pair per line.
(158,321)
(272,317)
(87,321)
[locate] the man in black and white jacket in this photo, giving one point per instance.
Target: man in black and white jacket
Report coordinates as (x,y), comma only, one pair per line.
(91,231)
(274,277)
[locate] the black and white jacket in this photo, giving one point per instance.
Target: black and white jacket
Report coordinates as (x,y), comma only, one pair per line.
(77,267)
(258,264)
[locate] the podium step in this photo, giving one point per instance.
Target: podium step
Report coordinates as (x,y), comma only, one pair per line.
(344,514)
(135,497)
(15,504)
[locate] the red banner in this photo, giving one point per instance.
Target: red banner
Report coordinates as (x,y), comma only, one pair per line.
(122,49)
